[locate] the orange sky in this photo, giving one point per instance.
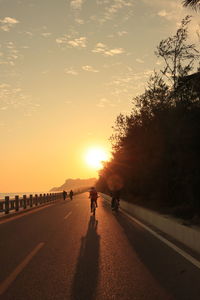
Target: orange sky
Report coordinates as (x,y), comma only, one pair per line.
(68,68)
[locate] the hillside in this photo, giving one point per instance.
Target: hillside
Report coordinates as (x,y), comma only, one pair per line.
(75,184)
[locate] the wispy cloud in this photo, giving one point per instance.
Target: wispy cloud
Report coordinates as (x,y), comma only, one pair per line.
(174,12)
(121,33)
(113,7)
(7,23)
(68,41)
(9,54)
(168,9)
(71,71)
(79,42)
(89,69)
(46,34)
(104,50)
(79,21)
(104,102)
(168,15)
(128,83)
(139,60)
(14,98)
(76,4)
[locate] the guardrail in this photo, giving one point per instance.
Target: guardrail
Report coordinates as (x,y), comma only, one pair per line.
(24,202)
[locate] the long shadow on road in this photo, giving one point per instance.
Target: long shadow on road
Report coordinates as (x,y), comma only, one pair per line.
(166,266)
(87,270)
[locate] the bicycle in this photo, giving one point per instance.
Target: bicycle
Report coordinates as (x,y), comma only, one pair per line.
(115,203)
(93,208)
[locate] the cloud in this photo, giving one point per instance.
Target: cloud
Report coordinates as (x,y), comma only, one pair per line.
(30,34)
(79,42)
(68,41)
(79,21)
(89,69)
(7,23)
(113,7)
(13,97)
(103,102)
(71,71)
(104,50)
(46,34)
(61,40)
(76,4)
(9,54)
(168,15)
(121,33)
(140,61)
(128,83)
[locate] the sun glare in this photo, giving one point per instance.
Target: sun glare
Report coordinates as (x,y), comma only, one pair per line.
(95,156)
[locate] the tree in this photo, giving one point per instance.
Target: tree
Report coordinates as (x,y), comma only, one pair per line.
(178,55)
(192,3)
(155,158)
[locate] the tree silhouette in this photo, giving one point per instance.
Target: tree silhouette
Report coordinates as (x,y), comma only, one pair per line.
(178,55)
(192,3)
(156,146)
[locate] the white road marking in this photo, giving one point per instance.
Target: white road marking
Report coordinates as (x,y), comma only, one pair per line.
(7,282)
(187,256)
(67,215)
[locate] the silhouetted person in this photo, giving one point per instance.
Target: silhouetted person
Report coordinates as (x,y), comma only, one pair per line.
(64,195)
(115,196)
(71,194)
(93,196)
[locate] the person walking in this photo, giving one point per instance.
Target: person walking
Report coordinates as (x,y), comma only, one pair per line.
(64,195)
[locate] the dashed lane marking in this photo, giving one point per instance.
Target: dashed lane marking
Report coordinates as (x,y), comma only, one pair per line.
(4,285)
(66,217)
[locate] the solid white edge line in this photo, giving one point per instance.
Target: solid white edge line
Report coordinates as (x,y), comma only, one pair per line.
(67,215)
(4,285)
(187,256)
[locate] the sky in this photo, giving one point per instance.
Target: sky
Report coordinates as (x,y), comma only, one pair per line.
(68,68)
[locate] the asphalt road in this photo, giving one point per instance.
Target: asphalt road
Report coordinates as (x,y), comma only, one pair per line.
(62,252)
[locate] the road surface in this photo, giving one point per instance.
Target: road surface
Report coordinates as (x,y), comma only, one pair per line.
(63,252)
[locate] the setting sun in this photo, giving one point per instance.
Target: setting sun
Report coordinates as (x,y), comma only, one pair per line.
(95,156)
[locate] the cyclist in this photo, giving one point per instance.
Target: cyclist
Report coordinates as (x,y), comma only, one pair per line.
(71,193)
(93,197)
(115,197)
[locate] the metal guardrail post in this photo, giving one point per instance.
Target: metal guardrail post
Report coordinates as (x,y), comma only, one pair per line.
(40,201)
(16,203)
(1,205)
(28,201)
(24,201)
(31,200)
(12,204)
(36,199)
(7,200)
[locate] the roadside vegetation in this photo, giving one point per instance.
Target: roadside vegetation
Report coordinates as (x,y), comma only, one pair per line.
(156,148)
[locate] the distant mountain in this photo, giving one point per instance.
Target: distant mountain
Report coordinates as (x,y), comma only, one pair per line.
(75,184)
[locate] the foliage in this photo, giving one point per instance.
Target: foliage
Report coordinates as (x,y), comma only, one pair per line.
(156,148)
(192,3)
(177,54)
